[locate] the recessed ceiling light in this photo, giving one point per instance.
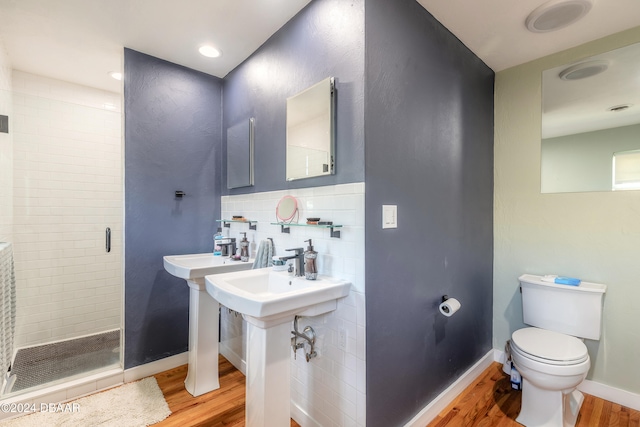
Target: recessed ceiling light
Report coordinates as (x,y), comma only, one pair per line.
(583,70)
(209,51)
(557,14)
(116,75)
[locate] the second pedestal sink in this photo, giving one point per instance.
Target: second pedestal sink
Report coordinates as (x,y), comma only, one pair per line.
(269,300)
(202,374)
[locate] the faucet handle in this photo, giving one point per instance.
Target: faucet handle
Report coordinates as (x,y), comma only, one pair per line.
(298,250)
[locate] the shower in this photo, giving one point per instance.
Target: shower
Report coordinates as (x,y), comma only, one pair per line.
(61,209)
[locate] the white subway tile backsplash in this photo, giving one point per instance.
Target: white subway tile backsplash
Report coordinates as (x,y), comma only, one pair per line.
(331,387)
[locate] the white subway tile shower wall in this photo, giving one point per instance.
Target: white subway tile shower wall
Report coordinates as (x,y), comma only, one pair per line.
(67,190)
(58,90)
(331,388)
(6,152)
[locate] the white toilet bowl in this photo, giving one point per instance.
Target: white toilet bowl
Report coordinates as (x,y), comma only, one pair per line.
(551,365)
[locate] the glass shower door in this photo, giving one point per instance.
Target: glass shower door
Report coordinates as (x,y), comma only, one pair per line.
(67,230)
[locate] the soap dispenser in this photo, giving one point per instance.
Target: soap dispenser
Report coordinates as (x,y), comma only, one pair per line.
(310,266)
(244,248)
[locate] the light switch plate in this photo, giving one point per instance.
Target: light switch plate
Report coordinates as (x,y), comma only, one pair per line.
(389,216)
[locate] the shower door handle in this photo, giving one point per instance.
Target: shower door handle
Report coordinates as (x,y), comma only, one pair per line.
(107,236)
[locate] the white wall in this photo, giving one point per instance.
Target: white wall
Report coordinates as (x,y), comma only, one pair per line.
(6,151)
(67,190)
(330,388)
(594,236)
(583,162)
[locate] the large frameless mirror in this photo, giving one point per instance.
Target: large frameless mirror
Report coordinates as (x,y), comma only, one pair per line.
(240,154)
(311,132)
(591,124)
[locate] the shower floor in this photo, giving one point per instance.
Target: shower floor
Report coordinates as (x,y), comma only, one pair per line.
(34,366)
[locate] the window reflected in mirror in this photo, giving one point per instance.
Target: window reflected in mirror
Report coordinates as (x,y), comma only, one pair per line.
(590,111)
(626,170)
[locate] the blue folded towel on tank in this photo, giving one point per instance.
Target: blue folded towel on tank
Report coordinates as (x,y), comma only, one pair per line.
(567,281)
(561,280)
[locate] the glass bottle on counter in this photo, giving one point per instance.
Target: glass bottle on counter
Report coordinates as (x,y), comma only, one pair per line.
(310,266)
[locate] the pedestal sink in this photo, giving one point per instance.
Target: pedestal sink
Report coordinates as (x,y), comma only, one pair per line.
(269,300)
(204,320)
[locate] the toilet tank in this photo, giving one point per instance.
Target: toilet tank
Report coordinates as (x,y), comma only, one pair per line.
(571,310)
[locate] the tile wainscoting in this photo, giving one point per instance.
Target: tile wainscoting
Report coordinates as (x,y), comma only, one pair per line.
(330,389)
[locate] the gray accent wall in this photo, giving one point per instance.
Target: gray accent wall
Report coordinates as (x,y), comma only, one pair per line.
(172,142)
(325,39)
(429,150)
(424,105)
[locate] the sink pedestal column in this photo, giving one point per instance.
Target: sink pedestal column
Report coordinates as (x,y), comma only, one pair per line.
(204,321)
(268,395)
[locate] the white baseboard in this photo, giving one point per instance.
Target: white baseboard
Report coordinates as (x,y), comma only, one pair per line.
(234,358)
(301,416)
(603,391)
(424,417)
(612,394)
(152,368)
(436,406)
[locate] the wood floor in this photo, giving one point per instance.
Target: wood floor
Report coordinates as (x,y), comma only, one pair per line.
(222,407)
(489,402)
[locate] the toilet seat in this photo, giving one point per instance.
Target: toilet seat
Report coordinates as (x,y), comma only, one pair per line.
(549,347)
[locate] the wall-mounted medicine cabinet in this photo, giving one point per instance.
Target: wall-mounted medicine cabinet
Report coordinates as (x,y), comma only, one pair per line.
(311,132)
(240,139)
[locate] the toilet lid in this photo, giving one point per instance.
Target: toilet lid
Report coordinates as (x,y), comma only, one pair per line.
(550,346)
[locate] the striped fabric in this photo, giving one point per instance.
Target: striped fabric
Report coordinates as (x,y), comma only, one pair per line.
(7,309)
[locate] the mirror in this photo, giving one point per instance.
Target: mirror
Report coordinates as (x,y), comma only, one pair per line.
(590,117)
(311,131)
(287,208)
(240,154)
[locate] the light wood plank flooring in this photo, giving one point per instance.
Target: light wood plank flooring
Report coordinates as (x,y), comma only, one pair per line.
(489,402)
(222,407)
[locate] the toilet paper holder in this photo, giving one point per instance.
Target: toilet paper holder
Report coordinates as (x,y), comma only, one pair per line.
(449,308)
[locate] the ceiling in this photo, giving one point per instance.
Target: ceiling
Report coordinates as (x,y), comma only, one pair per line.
(495,29)
(82,40)
(576,106)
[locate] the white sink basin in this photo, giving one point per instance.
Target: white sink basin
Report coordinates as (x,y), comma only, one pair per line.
(266,295)
(195,266)
(269,300)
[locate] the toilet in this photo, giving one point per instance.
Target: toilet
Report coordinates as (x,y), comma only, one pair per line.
(550,355)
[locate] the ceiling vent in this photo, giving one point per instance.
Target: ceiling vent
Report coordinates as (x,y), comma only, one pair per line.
(584,70)
(557,14)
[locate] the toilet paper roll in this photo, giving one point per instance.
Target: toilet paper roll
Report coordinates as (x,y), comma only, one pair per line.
(449,307)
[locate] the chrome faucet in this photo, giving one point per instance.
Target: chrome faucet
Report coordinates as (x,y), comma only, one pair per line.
(299,260)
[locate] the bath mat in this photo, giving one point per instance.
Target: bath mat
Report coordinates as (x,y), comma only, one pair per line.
(135,404)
